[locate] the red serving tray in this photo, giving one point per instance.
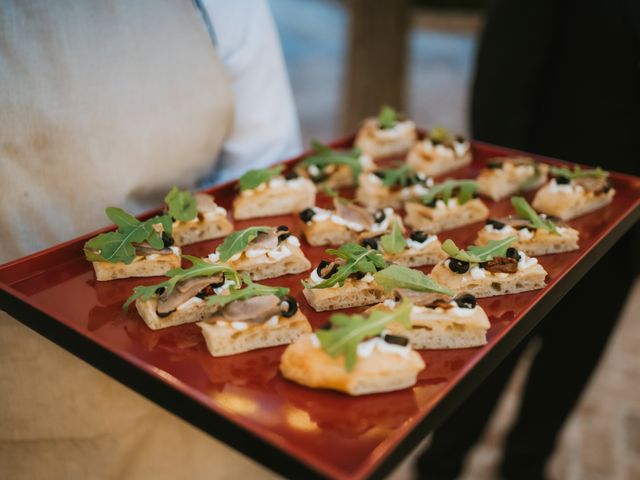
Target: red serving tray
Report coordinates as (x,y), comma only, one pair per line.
(243,400)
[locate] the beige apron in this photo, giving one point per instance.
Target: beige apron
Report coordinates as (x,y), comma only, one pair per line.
(104,102)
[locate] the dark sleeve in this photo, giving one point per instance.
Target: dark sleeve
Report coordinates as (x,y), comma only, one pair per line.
(513,53)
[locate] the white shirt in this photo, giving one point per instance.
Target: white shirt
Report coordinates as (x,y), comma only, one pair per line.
(265,128)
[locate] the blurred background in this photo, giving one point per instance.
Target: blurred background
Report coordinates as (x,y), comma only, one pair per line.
(323,43)
(323,54)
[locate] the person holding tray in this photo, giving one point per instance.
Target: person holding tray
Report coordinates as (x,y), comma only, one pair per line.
(546,84)
(112,103)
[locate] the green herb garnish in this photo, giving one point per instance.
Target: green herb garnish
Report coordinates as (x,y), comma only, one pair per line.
(349,330)
(182,204)
(109,247)
(199,268)
(479,254)
(402,176)
(330,191)
(398,276)
(251,290)
(463,189)
(324,156)
(253,178)
(387,118)
(526,211)
(357,259)
(236,242)
(440,135)
(394,241)
(578,172)
(119,246)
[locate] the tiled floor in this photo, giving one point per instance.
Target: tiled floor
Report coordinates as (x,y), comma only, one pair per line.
(602,439)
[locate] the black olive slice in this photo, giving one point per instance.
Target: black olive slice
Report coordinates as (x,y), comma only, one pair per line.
(418,236)
(465,300)
(458,266)
(307,214)
(290,174)
(358,275)
(396,340)
(167,241)
(379,174)
(218,284)
(282,228)
(160,290)
(288,306)
(323,267)
(163,315)
(513,253)
(283,236)
(494,164)
(379,216)
(498,225)
(322,264)
(561,180)
(371,242)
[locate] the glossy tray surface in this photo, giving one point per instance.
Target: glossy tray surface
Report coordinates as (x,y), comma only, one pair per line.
(332,434)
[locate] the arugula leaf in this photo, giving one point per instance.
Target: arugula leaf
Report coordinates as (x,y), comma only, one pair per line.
(350,330)
(251,290)
(526,211)
(199,268)
(254,177)
(109,247)
(155,237)
(136,231)
(399,276)
(320,148)
(397,176)
(324,156)
(125,222)
(182,205)
(394,242)
(479,254)
(440,134)
(387,118)
(493,248)
(578,172)
(330,191)
(357,259)
(445,190)
(351,251)
(237,241)
(118,246)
